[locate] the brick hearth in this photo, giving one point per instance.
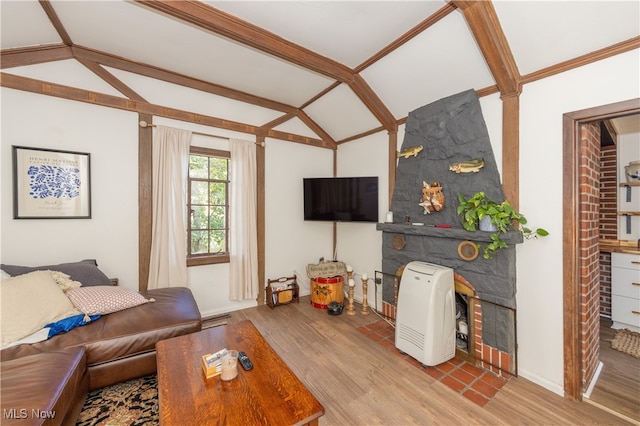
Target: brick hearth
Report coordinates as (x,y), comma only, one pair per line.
(474,383)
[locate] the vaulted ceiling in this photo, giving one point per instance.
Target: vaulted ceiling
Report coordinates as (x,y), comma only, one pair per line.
(313,72)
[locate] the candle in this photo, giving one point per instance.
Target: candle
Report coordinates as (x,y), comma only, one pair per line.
(365,277)
(352,283)
(229,366)
(349,268)
(462,326)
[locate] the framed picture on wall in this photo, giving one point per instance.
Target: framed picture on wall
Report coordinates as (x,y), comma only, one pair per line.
(51,184)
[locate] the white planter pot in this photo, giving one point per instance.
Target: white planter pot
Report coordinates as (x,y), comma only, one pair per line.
(486,225)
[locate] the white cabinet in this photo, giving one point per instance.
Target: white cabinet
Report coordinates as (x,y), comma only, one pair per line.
(625,291)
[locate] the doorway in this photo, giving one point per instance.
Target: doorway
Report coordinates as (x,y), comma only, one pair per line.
(580,245)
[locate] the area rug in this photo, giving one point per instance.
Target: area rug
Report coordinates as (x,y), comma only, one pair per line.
(627,341)
(129,403)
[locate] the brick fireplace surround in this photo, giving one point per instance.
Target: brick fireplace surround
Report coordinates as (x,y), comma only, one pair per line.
(474,350)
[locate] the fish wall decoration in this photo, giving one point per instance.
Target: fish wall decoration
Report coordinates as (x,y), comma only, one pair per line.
(412,150)
(468,166)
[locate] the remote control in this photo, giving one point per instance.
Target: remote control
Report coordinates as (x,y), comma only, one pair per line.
(245,361)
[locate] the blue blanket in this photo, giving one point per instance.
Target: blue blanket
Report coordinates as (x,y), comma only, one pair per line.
(67,324)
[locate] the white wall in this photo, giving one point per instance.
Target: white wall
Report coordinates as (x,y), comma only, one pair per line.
(359,244)
(292,243)
(539,297)
(111,137)
(492,112)
(111,235)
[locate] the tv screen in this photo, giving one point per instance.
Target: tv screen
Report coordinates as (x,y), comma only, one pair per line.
(349,199)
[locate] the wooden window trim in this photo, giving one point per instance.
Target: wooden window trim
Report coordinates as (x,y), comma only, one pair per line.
(207,259)
(209,151)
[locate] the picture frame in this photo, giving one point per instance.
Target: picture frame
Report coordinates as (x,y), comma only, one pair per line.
(51,184)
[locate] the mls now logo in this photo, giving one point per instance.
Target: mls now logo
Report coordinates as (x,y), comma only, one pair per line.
(14,413)
(23,413)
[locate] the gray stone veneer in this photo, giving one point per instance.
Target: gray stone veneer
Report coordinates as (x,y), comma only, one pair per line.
(451,130)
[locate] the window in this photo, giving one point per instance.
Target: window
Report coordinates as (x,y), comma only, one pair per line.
(208,207)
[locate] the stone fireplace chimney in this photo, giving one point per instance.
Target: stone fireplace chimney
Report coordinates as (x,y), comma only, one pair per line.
(450,131)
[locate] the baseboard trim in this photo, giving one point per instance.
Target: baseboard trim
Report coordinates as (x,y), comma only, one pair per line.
(594,380)
(610,411)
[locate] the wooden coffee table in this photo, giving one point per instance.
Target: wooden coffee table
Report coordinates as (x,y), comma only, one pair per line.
(269,394)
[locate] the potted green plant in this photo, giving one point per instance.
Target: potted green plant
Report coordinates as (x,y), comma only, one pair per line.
(478,210)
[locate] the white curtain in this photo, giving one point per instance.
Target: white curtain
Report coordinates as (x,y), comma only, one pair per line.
(168,263)
(243,244)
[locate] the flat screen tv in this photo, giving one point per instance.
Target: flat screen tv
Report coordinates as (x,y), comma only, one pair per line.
(348,199)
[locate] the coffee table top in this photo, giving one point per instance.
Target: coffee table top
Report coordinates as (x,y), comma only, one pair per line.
(269,394)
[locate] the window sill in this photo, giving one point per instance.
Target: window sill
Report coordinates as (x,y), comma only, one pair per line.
(207,259)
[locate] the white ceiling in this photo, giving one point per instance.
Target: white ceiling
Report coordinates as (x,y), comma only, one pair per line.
(627,125)
(442,60)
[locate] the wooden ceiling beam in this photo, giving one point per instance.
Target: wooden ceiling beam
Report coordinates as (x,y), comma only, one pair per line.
(275,134)
(597,55)
(10,58)
(278,121)
(55,21)
(22,56)
(373,102)
(72,93)
(413,32)
(91,65)
(306,120)
(483,22)
(175,78)
(110,79)
(315,127)
(211,19)
(361,135)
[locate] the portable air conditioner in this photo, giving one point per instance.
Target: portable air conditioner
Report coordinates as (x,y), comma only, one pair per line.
(425,315)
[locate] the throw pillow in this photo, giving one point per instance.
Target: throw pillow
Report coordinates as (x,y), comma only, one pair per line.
(104,299)
(29,302)
(64,281)
(85,271)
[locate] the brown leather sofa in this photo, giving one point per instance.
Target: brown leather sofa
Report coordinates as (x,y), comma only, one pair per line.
(51,378)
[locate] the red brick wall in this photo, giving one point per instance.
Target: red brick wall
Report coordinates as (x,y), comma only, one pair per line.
(608,220)
(608,192)
(589,250)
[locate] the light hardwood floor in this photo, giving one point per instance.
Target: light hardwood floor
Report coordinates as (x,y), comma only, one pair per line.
(360,383)
(618,387)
